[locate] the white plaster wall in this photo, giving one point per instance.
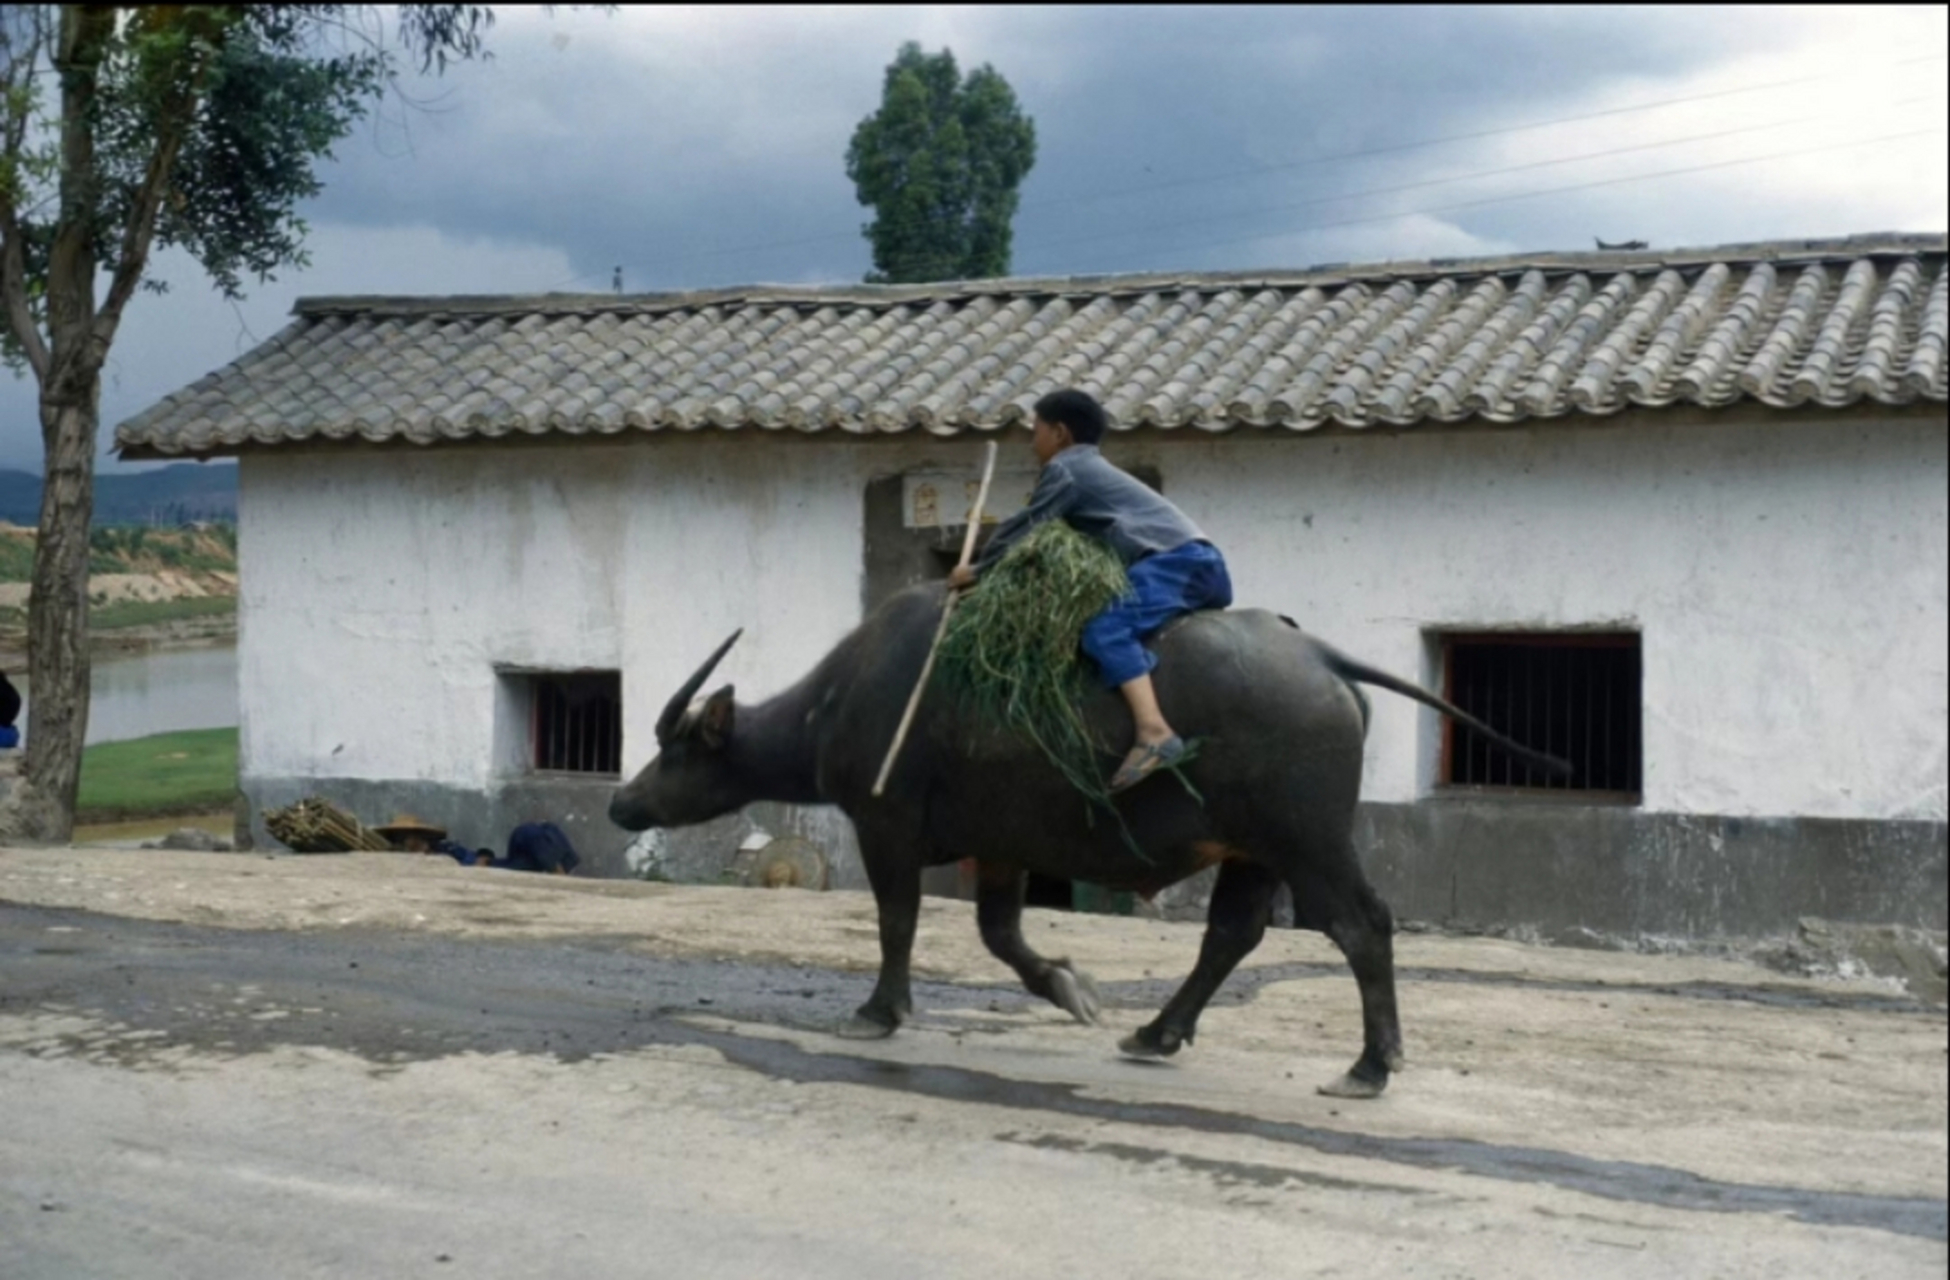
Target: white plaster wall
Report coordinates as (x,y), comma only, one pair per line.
(1789,581)
(378,591)
(381,589)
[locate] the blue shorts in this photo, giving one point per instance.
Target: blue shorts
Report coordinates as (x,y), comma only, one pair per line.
(1163,586)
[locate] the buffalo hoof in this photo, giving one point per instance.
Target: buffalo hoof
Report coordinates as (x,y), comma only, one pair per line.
(860,1027)
(1353,1086)
(1148,1045)
(1072,991)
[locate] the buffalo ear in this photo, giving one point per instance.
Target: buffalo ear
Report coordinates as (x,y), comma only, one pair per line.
(714,721)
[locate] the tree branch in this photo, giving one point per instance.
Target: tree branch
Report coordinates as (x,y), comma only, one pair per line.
(79,49)
(140,232)
(21,67)
(13,289)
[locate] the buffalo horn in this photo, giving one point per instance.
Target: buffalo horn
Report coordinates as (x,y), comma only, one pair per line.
(667,723)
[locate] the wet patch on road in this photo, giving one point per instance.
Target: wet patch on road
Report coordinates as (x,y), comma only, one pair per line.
(1629,1181)
(1246,983)
(1226,1173)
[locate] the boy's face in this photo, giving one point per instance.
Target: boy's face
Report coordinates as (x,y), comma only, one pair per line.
(1050,440)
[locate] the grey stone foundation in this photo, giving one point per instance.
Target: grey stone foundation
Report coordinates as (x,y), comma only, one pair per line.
(1619,870)
(1470,863)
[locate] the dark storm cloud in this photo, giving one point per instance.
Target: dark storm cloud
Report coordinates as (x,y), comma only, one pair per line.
(681,162)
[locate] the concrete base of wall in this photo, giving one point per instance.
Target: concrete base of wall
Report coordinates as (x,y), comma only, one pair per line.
(474,818)
(483,819)
(1463,862)
(1618,870)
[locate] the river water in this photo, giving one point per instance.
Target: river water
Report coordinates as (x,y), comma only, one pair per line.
(158,692)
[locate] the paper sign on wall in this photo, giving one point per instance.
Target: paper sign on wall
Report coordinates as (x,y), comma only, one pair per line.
(943,499)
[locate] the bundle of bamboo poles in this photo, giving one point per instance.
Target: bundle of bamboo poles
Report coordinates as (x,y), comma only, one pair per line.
(315,825)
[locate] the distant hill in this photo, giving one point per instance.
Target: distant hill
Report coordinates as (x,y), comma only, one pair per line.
(175,494)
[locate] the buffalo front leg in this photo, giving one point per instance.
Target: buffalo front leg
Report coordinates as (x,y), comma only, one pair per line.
(998,912)
(1242,903)
(897,894)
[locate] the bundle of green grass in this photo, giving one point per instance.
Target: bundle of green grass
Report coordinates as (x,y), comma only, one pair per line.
(1011,648)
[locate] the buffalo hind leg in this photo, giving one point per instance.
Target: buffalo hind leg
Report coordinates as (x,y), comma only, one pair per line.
(896,885)
(1361,925)
(1242,903)
(998,911)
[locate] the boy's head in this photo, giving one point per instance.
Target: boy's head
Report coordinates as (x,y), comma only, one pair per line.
(1077,412)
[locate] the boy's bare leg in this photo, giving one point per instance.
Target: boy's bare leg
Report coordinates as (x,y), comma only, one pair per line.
(1148,754)
(1150,721)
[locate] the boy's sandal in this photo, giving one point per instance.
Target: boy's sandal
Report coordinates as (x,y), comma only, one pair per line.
(1146,759)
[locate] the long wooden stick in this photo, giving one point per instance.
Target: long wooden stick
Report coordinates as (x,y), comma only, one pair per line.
(947,612)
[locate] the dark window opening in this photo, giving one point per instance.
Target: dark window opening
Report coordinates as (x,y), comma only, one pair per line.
(576,725)
(1570,695)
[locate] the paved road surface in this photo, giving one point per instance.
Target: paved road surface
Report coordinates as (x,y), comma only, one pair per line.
(552,1096)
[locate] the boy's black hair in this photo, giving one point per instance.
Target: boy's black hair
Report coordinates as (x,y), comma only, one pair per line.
(1077,410)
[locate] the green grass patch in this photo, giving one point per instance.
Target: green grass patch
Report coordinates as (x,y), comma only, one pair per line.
(16,559)
(143,613)
(189,772)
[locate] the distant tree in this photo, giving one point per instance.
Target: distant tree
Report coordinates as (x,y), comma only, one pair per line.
(124,128)
(940,164)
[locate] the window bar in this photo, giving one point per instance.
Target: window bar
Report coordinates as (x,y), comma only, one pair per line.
(1531,674)
(1560,660)
(1509,712)
(1486,673)
(1479,760)
(576,732)
(1604,738)
(1583,763)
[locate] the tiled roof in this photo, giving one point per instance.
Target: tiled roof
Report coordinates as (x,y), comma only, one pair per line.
(1501,340)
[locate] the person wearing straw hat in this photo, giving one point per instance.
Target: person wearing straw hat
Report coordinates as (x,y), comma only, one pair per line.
(414,835)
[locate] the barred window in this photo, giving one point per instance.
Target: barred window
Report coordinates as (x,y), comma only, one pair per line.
(1574,695)
(576,722)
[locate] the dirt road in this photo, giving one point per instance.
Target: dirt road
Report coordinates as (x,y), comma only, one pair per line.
(239,1065)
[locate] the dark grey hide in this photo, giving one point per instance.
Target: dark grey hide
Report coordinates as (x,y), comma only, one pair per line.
(1279,772)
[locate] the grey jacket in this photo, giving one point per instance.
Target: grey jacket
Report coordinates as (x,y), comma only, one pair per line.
(1081,486)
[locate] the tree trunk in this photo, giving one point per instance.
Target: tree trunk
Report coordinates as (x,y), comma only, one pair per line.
(71,393)
(57,618)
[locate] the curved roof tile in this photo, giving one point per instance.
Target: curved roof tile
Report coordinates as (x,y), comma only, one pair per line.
(1502,340)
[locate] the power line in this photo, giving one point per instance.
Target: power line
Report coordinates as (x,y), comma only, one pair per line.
(1286,166)
(1554,191)
(1439,182)
(1478,136)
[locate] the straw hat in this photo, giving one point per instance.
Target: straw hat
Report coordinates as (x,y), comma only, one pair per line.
(405,824)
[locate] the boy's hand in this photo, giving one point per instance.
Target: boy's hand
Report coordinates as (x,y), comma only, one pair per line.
(962,578)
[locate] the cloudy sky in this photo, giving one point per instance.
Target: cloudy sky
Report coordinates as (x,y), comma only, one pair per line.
(697,147)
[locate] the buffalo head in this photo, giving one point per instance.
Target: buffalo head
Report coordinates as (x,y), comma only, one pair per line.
(691,780)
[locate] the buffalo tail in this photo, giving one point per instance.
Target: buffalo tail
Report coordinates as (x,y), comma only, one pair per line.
(1361,673)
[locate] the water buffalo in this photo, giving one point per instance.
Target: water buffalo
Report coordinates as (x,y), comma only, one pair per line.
(1271,801)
